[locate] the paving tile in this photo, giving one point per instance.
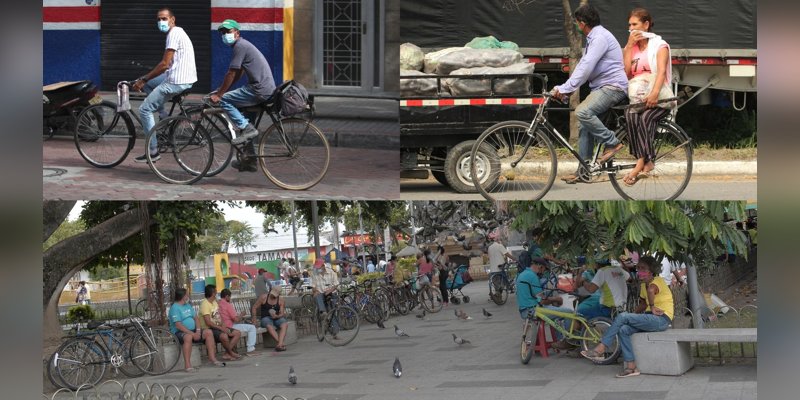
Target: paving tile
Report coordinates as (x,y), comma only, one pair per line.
(495,383)
(337,397)
(656,395)
(304,385)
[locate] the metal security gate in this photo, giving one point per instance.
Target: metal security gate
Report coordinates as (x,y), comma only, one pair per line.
(350,37)
(129,35)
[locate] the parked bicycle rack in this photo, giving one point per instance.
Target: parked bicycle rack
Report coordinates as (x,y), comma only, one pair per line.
(156,391)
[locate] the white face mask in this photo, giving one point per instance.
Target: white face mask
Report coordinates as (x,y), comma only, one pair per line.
(163,26)
(228,38)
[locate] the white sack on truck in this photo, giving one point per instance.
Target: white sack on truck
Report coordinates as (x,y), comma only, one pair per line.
(416,87)
(471,58)
(411,57)
(431,60)
(482,87)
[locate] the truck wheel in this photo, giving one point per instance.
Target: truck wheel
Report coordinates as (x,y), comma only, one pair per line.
(457,167)
(440,177)
(440,153)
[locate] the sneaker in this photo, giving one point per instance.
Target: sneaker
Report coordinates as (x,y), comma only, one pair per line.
(248,166)
(143,158)
(248,132)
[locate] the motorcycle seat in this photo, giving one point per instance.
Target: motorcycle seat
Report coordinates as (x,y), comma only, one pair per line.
(61,86)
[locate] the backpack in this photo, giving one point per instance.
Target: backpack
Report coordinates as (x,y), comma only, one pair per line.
(292,98)
(466,277)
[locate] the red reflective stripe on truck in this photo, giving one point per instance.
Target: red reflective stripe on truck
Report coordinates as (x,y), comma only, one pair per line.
(471,102)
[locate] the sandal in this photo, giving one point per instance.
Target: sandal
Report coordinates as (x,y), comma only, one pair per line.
(629,372)
(592,355)
(609,153)
(629,180)
(219,364)
(643,175)
(280,348)
(190,370)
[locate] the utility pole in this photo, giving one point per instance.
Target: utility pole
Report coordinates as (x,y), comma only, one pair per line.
(413,226)
(361,235)
(315,222)
(294,235)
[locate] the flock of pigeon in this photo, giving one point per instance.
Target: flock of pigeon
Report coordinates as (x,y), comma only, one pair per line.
(397,368)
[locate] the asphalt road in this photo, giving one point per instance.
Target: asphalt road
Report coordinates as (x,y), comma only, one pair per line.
(701,187)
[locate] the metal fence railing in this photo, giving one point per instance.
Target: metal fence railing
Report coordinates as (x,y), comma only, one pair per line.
(113,389)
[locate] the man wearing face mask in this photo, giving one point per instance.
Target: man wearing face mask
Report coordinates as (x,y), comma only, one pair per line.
(601,65)
(260,86)
(175,73)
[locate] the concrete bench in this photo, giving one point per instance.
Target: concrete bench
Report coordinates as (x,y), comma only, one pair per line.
(669,352)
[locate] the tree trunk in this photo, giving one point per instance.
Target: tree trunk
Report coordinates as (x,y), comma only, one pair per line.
(54,212)
(67,257)
(575,48)
(128,283)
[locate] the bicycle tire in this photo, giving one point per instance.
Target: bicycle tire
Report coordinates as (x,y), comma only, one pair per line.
(128,368)
(673,165)
(155,351)
(143,311)
(81,361)
(381,298)
(306,150)
(52,373)
(497,290)
(529,331)
(218,130)
(319,325)
(185,149)
(598,326)
(400,302)
(431,299)
(348,326)
(531,178)
(103,137)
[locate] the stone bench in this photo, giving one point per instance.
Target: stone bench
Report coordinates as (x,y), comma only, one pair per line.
(669,352)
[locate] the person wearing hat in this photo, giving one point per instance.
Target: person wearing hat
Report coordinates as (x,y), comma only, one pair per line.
(175,73)
(273,315)
(260,86)
(531,293)
(324,283)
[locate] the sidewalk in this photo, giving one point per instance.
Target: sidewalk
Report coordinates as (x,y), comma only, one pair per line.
(435,367)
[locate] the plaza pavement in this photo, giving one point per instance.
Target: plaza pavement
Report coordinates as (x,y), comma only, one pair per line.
(435,367)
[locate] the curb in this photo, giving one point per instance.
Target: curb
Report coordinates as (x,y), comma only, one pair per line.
(698,167)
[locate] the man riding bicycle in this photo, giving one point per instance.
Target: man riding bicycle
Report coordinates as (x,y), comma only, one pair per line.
(260,87)
(497,256)
(601,65)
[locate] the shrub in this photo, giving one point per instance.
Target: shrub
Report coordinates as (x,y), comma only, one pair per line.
(80,313)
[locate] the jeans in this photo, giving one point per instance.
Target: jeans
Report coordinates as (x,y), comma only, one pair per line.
(591,128)
(158,92)
(250,330)
(626,324)
(241,97)
(594,310)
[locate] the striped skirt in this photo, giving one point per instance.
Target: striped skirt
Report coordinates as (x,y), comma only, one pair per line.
(642,131)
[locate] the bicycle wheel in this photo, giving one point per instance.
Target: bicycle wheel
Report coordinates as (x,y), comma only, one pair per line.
(529,178)
(122,356)
(319,325)
(80,362)
(597,328)
(103,137)
(218,130)
(497,290)
(529,330)
(400,302)
(155,351)
(673,166)
(431,299)
(381,298)
(294,154)
(144,311)
(184,149)
(52,372)
(342,326)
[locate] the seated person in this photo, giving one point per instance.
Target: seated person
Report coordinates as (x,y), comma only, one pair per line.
(273,315)
(232,320)
(294,277)
(613,293)
(530,293)
(209,311)
(184,323)
(324,282)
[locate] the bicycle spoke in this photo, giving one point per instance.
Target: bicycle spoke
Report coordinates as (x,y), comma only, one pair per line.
(294,154)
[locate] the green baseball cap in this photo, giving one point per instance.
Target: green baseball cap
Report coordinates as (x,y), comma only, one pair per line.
(229,24)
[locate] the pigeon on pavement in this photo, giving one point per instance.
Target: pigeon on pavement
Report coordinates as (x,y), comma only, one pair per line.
(399,332)
(459,341)
(487,314)
(380,325)
(462,315)
(397,369)
(421,315)
(292,376)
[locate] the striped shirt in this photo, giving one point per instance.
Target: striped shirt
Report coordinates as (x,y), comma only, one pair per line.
(182,70)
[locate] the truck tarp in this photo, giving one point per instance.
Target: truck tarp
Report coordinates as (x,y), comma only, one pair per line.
(684,24)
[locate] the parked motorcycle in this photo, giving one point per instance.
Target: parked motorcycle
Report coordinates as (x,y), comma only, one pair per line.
(63,101)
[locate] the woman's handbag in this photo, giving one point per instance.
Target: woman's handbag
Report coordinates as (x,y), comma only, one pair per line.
(640,86)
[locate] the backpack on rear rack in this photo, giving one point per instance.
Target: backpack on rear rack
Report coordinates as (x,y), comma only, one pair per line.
(292,98)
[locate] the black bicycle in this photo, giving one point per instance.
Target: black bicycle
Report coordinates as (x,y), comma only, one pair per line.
(516,160)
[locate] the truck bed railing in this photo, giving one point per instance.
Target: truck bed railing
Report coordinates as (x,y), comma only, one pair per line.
(532,87)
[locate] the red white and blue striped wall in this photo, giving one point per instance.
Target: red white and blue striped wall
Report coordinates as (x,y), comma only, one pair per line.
(71,37)
(71,40)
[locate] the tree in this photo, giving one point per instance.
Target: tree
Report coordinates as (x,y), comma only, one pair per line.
(241,236)
(575,50)
(692,232)
(214,237)
(64,231)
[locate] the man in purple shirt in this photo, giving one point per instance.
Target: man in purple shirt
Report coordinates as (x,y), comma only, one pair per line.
(600,65)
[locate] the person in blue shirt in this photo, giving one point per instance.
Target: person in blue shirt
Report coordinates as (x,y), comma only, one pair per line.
(530,293)
(185,324)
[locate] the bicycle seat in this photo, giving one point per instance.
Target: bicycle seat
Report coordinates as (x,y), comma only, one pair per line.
(267,106)
(94,324)
(178,98)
